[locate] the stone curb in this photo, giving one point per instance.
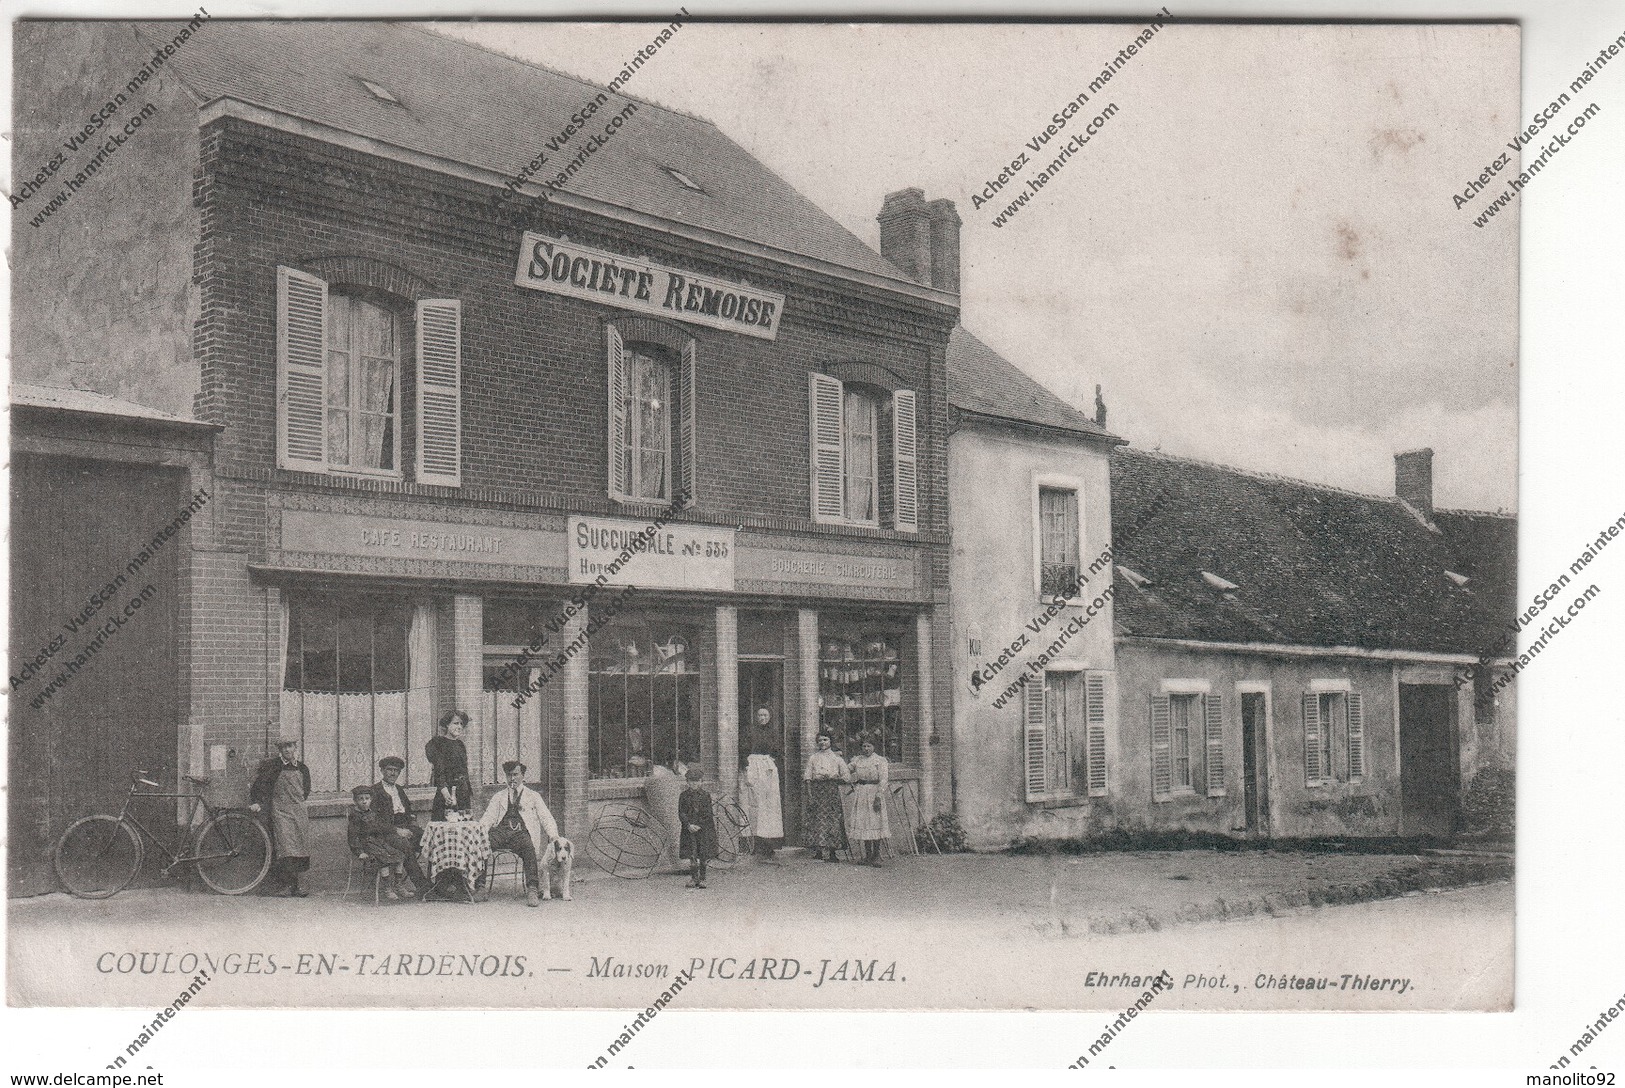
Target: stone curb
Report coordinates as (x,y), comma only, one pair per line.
(1389,886)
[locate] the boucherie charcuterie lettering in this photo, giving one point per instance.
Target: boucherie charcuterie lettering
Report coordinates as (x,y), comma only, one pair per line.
(564,268)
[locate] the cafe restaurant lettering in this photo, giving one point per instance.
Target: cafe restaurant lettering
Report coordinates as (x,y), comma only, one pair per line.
(435,428)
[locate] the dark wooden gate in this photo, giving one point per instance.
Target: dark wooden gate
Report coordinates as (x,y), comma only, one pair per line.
(75,526)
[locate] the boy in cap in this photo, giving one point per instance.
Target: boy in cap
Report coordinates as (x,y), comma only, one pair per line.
(699,838)
(371,833)
(517,819)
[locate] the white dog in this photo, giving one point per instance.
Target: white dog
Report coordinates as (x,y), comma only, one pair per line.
(558,859)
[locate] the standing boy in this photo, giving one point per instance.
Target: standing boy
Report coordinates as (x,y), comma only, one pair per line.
(699,839)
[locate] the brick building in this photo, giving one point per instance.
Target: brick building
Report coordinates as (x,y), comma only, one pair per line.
(445,411)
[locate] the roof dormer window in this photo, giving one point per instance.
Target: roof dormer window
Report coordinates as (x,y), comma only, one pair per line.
(379,91)
(683,179)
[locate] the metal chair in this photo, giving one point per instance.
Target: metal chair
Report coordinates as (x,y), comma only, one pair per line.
(515,869)
(366,862)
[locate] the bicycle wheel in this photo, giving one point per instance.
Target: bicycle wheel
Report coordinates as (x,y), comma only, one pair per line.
(97,856)
(233,853)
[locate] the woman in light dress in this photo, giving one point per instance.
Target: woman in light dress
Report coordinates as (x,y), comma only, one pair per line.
(871,776)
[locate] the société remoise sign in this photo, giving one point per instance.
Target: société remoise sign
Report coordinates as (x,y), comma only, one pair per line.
(565,268)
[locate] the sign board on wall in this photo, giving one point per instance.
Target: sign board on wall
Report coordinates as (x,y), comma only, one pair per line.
(675,557)
(565,268)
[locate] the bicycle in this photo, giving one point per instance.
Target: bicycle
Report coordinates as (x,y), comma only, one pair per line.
(628,842)
(98,856)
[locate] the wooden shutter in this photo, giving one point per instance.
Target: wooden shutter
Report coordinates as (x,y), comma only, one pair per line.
(1213,731)
(1037,743)
(905,461)
(1162,746)
(1095,722)
(620,366)
(440,397)
(1312,770)
(688,434)
(301,371)
(824,395)
(1356,735)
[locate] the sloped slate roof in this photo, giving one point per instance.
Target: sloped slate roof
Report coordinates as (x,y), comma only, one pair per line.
(1315,566)
(982,381)
(468,105)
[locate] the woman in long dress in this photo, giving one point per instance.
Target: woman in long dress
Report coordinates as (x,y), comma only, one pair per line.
(826,829)
(448,763)
(280,790)
(871,774)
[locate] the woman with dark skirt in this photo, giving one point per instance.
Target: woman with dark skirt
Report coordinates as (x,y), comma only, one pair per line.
(448,766)
(826,830)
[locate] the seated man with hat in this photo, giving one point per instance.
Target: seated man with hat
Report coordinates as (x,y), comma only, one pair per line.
(389,800)
(517,819)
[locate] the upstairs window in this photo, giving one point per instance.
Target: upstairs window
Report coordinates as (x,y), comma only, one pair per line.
(1057,542)
(860,426)
(363,375)
(652,410)
(339,357)
(850,459)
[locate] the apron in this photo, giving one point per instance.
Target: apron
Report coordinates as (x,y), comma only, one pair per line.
(290,822)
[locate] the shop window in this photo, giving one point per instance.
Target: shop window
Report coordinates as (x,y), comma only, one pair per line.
(643,703)
(849,460)
(652,408)
(347,688)
(1057,542)
(861,693)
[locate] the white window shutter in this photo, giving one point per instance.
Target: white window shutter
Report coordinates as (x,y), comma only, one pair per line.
(1095,718)
(1162,744)
(301,370)
(1213,719)
(440,396)
(1312,770)
(620,366)
(824,395)
(688,432)
(905,461)
(1037,743)
(1356,735)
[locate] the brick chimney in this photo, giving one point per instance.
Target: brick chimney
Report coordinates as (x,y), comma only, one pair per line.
(1413,480)
(921,238)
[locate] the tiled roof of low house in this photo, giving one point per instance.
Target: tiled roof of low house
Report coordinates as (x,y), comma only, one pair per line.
(464,104)
(84,400)
(1313,566)
(982,381)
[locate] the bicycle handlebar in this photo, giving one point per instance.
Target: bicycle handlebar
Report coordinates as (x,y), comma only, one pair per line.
(139,778)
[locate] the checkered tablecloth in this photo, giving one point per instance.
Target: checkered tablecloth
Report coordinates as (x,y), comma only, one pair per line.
(465,846)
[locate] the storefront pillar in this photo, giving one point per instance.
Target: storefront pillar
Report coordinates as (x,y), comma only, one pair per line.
(923,655)
(574,681)
(807,670)
(468,681)
(727,699)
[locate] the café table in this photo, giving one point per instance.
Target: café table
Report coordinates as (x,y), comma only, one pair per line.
(455,844)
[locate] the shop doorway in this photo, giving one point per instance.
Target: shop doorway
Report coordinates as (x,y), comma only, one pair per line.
(1255,764)
(1429,776)
(761,686)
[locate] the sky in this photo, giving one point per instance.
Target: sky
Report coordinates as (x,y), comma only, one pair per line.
(1257,257)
